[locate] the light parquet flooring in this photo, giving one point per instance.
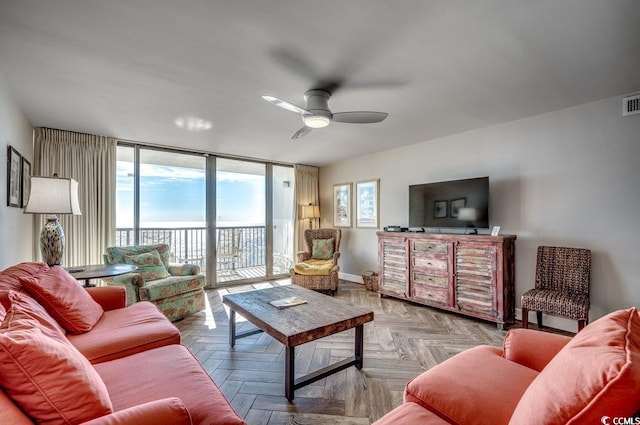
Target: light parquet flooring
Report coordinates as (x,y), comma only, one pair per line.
(404,340)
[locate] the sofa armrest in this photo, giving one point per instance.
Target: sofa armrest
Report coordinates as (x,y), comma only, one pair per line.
(336,255)
(303,256)
(184,269)
(532,348)
(134,279)
(167,411)
(109,297)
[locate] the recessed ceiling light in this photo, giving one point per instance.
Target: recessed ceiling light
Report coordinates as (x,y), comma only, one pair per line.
(193,123)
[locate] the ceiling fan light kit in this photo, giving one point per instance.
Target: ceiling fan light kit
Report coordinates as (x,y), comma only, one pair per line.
(317,114)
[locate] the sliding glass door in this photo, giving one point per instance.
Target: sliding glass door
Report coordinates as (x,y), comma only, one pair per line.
(234,217)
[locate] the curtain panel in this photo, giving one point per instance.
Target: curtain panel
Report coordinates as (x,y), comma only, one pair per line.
(91,161)
(307,192)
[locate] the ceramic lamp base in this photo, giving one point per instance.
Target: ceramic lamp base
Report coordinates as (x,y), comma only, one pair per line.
(52,241)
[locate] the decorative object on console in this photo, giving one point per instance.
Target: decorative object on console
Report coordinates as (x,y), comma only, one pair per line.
(309,212)
(52,195)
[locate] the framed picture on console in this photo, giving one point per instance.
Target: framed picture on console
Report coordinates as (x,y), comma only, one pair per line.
(367,204)
(14,180)
(342,205)
(440,209)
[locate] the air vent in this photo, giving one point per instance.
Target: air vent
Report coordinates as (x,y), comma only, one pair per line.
(631,105)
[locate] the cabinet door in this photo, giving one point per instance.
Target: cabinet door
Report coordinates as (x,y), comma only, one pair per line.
(476,279)
(394,262)
(430,272)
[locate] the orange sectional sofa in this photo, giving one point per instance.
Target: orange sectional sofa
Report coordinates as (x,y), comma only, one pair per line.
(70,356)
(536,378)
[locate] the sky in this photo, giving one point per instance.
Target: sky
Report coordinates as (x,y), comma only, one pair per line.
(175,197)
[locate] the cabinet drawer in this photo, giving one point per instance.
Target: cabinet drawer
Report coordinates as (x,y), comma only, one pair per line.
(430,263)
(425,247)
(429,279)
(430,294)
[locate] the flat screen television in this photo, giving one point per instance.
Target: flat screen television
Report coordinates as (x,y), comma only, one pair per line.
(450,204)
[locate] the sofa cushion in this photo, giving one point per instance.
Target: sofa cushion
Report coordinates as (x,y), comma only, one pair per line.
(125,331)
(64,299)
(170,286)
(322,249)
(10,278)
(32,310)
(45,375)
(10,413)
(149,264)
(181,306)
(596,374)
(169,371)
(451,389)
(410,413)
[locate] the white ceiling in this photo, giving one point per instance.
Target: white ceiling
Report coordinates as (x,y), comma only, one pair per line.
(129,68)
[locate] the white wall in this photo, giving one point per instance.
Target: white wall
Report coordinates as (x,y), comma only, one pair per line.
(567,178)
(15,227)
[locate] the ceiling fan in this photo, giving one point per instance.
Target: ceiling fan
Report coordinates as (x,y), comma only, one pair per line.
(316,113)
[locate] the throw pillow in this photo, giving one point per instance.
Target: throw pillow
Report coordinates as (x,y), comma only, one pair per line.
(45,375)
(34,311)
(593,375)
(150,265)
(322,249)
(64,298)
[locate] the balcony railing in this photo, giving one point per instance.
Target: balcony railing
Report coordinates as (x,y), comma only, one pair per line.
(238,247)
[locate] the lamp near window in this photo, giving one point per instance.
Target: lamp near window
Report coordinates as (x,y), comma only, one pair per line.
(310,212)
(51,196)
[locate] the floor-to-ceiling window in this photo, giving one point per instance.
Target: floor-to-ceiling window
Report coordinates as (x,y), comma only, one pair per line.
(246,233)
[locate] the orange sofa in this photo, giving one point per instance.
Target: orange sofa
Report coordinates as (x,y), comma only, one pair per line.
(70,355)
(536,378)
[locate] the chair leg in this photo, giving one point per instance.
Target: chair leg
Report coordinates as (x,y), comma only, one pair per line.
(581,324)
(539,317)
(525,318)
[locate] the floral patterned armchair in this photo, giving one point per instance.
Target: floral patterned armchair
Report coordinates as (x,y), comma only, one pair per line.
(177,289)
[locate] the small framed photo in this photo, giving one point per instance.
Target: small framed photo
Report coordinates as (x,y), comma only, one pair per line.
(456,204)
(26,181)
(14,179)
(367,204)
(495,231)
(342,205)
(440,209)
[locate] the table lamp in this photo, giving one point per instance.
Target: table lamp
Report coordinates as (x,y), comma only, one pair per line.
(310,212)
(51,196)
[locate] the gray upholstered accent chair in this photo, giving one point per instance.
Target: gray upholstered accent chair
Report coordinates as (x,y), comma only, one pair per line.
(561,286)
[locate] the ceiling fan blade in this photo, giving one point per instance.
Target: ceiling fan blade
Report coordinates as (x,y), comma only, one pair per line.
(301,133)
(285,105)
(359,117)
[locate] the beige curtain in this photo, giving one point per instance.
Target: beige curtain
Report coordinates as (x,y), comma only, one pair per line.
(90,160)
(307,192)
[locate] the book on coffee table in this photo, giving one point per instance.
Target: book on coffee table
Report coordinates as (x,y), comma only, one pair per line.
(287,302)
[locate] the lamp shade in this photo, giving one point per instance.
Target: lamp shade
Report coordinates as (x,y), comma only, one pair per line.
(53,195)
(468,214)
(310,211)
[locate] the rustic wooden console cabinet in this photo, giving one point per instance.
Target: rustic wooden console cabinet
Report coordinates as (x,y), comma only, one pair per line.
(470,274)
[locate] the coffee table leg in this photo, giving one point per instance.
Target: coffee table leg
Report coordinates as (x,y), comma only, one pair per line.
(289,372)
(359,349)
(232,327)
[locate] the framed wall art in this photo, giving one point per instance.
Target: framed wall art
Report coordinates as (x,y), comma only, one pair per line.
(367,204)
(342,205)
(26,182)
(14,180)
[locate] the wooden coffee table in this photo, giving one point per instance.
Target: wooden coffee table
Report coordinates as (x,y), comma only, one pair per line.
(320,316)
